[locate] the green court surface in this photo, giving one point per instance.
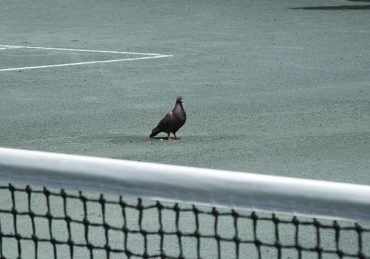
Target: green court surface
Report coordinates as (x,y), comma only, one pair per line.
(270,86)
(273,87)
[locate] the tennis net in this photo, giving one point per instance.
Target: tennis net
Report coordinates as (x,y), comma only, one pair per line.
(64,206)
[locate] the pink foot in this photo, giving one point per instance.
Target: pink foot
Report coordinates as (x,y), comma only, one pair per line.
(174,138)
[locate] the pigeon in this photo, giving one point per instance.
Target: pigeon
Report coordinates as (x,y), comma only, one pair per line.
(172,122)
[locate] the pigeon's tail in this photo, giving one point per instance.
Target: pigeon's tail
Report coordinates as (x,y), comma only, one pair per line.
(155,132)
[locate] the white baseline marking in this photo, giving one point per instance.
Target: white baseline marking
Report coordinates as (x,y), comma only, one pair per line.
(85,63)
(82,50)
(10,47)
(151,56)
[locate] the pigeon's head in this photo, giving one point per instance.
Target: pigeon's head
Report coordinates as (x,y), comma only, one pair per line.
(179,99)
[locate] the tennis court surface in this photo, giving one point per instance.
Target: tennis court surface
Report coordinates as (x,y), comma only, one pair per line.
(270,87)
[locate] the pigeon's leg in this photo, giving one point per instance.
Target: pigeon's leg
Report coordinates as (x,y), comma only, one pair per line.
(175,138)
(168,137)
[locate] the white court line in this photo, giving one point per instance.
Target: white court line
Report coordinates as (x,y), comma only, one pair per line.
(151,56)
(83,50)
(10,47)
(85,63)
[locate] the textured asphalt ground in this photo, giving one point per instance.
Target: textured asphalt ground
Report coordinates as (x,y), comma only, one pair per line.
(272,87)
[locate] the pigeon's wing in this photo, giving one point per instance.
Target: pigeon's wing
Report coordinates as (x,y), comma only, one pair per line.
(164,123)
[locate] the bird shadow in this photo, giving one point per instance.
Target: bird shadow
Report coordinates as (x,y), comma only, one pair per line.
(166,138)
(126,139)
(160,138)
(121,139)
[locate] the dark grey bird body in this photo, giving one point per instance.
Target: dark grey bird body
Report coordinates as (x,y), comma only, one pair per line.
(172,122)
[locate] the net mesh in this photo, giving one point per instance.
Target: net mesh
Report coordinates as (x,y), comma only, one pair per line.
(39,222)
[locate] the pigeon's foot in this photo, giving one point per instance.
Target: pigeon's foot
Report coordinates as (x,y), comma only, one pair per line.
(172,138)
